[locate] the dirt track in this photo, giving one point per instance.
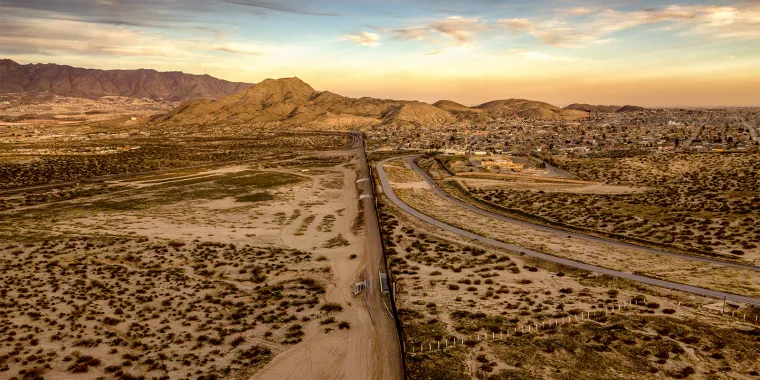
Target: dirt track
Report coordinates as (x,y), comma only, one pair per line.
(371,350)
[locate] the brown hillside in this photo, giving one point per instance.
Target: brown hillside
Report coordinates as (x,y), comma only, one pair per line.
(592,108)
(420,113)
(529,109)
(631,109)
(450,106)
(91,83)
(464,113)
(292,103)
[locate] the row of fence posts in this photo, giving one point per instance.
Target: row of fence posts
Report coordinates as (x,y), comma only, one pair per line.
(733,314)
(532,327)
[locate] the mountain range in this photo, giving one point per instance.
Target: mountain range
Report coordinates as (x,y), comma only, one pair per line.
(70,81)
(290,102)
(287,102)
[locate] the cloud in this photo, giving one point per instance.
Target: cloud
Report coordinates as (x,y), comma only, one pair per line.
(458,29)
(365,39)
(518,24)
(281,6)
(164,14)
(580,11)
(67,37)
(237,47)
(51,37)
(706,20)
(411,33)
(144,13)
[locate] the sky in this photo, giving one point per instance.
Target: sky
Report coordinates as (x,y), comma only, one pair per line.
(648,53)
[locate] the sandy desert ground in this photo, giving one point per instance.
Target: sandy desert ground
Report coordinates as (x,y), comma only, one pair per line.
(241,271)
(449,287)
(734,280)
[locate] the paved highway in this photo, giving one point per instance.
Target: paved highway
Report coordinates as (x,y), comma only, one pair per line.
(499,244)
(440,192)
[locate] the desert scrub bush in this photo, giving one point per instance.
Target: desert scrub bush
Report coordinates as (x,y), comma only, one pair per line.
(110,321)
(332,307)
(83,363)
(305,225)
(344,325)
(237,341)
(294,334)
(257,197)
(338,241)
(253,356)
(328,221)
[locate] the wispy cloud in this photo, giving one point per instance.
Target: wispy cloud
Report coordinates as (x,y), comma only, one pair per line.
(458,29)
(282,6)
(239,47)
(66,37)
(365,38)
(705,20)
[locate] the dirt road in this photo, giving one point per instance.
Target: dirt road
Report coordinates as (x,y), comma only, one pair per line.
(371,349)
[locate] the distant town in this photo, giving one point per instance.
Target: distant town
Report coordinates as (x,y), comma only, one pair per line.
(667,130)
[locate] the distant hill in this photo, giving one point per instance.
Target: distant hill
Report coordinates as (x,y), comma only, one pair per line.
(292,103)
(91,83)
(529,109)
(604,109)
(592,108)
(450,106)
(463,113)
(631,109)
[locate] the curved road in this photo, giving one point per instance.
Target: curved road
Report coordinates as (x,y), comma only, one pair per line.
(571,263)
(577,235)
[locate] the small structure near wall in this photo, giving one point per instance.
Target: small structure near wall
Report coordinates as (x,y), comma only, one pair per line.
(384,283)
(359,287)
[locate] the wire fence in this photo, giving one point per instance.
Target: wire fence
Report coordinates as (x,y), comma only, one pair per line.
(535,327)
